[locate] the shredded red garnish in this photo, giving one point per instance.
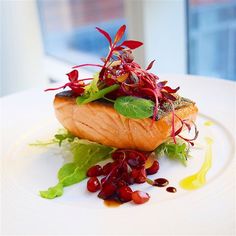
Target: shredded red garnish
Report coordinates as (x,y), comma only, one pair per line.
(120,68)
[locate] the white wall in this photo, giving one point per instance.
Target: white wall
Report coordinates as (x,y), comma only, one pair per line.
(165,35)
(21,47)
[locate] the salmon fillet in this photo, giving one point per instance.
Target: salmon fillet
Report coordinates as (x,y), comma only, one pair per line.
(98,121)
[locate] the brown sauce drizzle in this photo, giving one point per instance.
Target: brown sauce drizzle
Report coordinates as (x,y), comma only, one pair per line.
(112,203)
(171,189)
(160,182)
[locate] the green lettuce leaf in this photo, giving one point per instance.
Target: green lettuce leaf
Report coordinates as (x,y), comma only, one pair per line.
(85,154)
(178,151)
(52,192)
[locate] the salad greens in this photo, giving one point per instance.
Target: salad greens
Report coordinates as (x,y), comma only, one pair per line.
(134,107)
(85,154)
(176,151)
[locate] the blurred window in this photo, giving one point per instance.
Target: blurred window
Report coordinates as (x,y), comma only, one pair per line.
(212,38)
(68,27)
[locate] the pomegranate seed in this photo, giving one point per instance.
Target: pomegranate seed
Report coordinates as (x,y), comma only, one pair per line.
(140,197)
(117,156)
(136,161)
(132,155)
(153,168)
(139,175)
(125,194)
(121,183)
(94,171)
(108,189)
(107,168)
(103,180)
(134,173)
(93,184)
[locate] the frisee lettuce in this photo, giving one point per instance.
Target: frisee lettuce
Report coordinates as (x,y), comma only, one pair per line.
(61,136)
(85,154)
(178,151)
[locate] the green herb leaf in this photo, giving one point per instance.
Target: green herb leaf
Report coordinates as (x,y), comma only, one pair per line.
(52,192)
(95,96)
(92,87)
(64,136)
(178,151)
(134,107)
(85,154)
(61,136)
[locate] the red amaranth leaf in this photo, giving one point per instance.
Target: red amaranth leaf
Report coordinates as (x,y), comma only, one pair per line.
(73,75)
(162,84)
(119,34)
(170,90)
(118,48)
(103,32)
(132,44)
(150,65)
(168,96)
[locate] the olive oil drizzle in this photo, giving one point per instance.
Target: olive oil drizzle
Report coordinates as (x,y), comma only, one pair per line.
(199,179)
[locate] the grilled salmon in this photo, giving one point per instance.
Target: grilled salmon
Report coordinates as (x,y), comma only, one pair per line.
(99,122)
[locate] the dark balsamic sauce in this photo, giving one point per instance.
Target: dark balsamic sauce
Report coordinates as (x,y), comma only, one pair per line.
(171,189)
(160,182)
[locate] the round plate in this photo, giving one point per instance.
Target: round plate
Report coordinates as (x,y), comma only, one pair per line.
(28,169)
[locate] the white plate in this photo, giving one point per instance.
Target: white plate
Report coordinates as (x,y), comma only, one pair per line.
(209,210)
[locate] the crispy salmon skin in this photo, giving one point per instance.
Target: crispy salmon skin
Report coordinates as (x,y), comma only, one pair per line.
(99,122)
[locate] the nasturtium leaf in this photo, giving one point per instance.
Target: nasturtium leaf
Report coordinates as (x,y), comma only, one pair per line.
(95,96)
(134,107)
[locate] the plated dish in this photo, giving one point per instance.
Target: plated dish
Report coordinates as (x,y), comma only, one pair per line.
(128,114)
(28,169)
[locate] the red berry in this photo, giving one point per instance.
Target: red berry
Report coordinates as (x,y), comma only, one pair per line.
(108,189)
(94,171)
(153,168)
(121,183)
(127,178)
(132,155)
(117,156)
(107,168)
(93,184)
(125,194)
(135,160)
(139,175)
(103,180)
(140,197)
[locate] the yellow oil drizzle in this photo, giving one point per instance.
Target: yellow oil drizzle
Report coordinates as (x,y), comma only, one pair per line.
(208,123)
(199,179)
